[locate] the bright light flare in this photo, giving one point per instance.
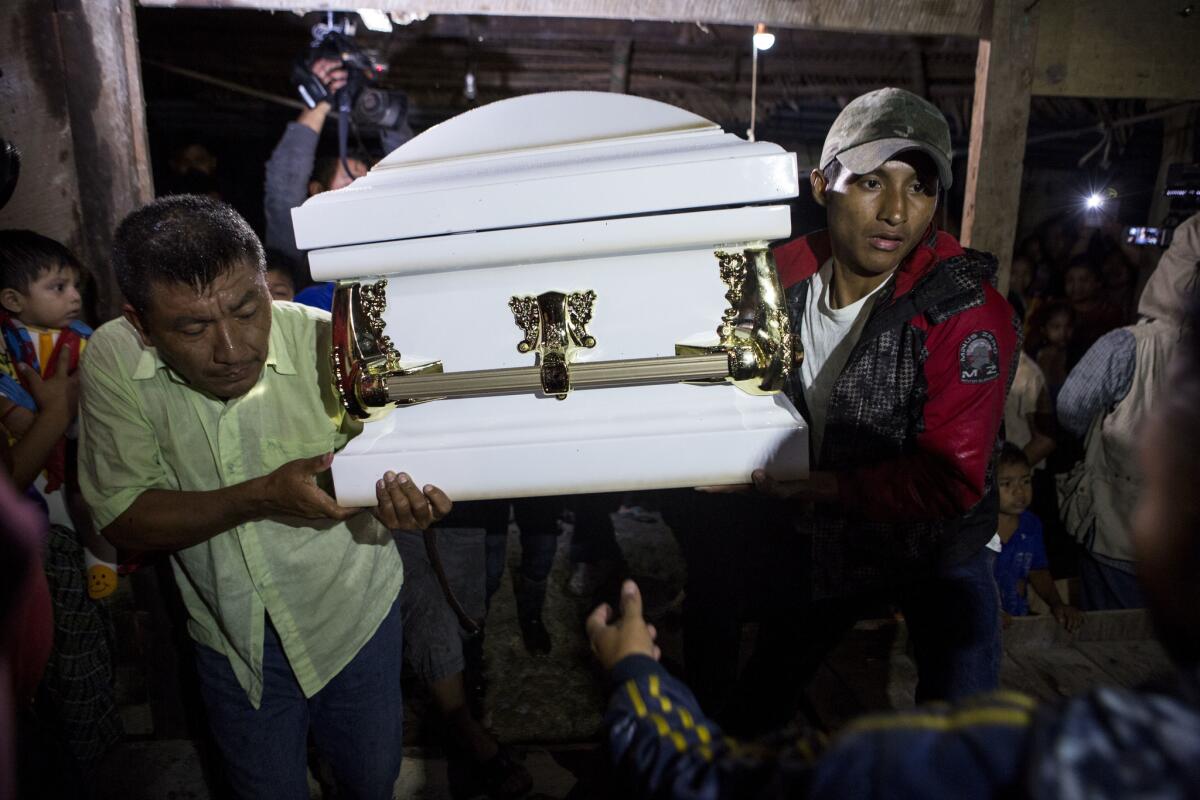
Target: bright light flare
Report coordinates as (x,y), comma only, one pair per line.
(763,39)
(1094,201)
(375,20)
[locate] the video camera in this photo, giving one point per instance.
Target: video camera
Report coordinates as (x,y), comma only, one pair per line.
(369,105)
(1183,188)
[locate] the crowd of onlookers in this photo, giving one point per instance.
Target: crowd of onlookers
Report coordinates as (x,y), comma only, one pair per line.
(951,516)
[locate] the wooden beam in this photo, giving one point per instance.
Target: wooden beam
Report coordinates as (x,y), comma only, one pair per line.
(1114,48)
(919,17)
(108,125)
(999,120)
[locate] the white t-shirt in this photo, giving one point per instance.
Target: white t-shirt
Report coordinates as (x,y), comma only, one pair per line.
(828,336)
(1027,386)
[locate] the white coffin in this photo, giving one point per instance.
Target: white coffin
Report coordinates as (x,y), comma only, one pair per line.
(569,191)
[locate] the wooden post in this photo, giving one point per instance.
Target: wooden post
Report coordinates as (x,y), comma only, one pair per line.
(34,117)
(1179,135)
(999,118)
(71,100)
(108,125)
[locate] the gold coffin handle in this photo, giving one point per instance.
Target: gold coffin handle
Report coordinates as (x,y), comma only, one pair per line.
(555,325)
(755,330)
(362,355)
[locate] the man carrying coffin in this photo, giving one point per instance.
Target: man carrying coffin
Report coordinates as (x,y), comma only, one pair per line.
(208,423)
(904,352)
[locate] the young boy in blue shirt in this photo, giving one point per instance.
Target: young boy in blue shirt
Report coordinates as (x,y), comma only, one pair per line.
(1022,559)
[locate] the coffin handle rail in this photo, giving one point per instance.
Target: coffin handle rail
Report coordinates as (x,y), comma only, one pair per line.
(753,349)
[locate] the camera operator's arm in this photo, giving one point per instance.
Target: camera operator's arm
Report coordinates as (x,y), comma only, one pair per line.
(391,138)
(291,165)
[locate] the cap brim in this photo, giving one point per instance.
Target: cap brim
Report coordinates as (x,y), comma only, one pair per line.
(866,157)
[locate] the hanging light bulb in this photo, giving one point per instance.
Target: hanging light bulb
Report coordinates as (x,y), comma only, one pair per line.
(763,39)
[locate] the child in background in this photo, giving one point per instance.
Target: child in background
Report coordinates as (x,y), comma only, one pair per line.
(280,282)
(1095,316)
(40,308)
(1049,342)
(1022,560)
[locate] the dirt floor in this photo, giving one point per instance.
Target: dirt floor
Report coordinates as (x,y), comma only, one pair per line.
(557,698)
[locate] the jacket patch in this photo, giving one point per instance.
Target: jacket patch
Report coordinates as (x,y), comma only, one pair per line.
(979,358)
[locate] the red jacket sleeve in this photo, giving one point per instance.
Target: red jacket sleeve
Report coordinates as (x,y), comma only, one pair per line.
(967,373)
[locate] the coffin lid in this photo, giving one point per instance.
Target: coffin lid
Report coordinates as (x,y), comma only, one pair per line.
(543,159)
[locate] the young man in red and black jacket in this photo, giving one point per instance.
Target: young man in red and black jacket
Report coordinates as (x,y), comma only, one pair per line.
(904,354)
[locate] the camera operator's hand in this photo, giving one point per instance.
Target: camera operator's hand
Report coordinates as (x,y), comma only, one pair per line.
(332,76)
(330,73)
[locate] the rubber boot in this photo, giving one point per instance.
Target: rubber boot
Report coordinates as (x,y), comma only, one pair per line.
(531,597)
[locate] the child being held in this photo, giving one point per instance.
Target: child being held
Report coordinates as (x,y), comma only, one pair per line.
(40,333)
(1022,559)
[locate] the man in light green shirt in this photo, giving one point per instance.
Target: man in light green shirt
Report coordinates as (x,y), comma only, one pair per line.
(208,423)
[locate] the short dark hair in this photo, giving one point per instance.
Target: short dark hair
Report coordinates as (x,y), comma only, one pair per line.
(25,255)
(1040,318)
(831,172)
(1011,455)
(326,167)
(183,238)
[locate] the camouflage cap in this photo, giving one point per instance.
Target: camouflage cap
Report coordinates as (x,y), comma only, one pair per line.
(878,125)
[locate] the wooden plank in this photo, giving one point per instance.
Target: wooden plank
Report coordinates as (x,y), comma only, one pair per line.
(1066,670)
(919,17)
(877,676)
(901,685)
(1123,625)
(999,120)
(34,117)
(1128,663)
(1112,48)
(104,95)
(1017,678)
(830,701)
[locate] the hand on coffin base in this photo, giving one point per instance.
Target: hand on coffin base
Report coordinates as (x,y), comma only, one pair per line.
(292,490)
(402,506)
(817,487)
(614,638)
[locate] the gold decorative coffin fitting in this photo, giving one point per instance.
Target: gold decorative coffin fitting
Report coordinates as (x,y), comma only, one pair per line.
(753,348)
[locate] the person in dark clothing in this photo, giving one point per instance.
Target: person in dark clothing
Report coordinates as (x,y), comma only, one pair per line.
(904,352)
(537,519)
(1107,743)
(294,173)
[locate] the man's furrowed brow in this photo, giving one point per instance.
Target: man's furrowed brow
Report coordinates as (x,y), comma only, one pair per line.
(184,322)
(249,296)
